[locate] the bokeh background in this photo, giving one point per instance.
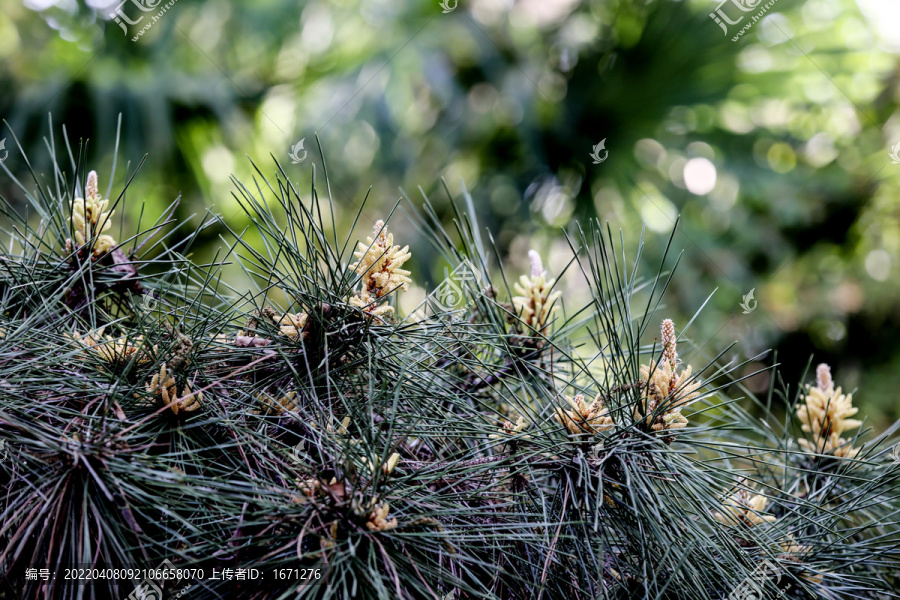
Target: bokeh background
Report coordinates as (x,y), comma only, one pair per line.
(775,150)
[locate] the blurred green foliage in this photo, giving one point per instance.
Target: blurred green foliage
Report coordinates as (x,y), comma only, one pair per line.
(775,149)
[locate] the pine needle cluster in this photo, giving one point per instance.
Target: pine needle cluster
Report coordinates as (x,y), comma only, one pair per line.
(446,453)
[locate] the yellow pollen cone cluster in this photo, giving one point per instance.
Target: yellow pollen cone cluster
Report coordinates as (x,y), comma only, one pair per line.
(90,218)
(378,520)
(824,413)
(509,429)
(292,325)
(663,385)
(744,508)
(535,302)
(163,385)
(113,350)
(380,263)
(584,418)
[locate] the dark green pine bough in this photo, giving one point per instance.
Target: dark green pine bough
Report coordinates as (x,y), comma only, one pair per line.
(309,440)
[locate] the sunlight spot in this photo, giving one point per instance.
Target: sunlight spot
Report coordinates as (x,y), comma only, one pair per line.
(699,176)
